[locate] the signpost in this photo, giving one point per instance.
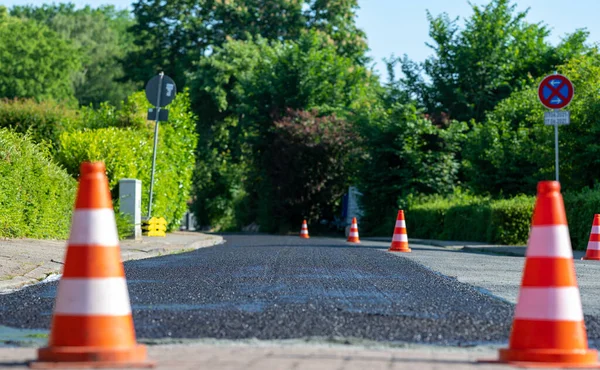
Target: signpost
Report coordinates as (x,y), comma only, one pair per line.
(160,92)
(556,92)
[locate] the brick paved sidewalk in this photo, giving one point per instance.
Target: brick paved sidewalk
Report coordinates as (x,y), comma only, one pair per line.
(284,357)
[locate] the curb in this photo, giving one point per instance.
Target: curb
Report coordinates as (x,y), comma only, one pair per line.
(41,272)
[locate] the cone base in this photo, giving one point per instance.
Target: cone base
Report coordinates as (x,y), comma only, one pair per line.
(92,357)
(590,258)
(353,240)
(584,358)
(405,250)
(305,237)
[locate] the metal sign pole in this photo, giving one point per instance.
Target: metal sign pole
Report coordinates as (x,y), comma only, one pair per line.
(155,143)
(556,149)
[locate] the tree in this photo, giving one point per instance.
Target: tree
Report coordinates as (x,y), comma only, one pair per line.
(474,68)
(35,61)
(174,35)
(101,38)
(244,87)
(513,150)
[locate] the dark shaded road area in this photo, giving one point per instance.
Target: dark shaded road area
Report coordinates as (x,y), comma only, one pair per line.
(282,287)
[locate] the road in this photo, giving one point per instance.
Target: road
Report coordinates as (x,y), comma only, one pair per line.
(276,287)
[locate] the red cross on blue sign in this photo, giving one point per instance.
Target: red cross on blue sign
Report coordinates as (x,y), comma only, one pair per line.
(555,91)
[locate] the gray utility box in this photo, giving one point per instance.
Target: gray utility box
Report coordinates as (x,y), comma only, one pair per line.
(130,203)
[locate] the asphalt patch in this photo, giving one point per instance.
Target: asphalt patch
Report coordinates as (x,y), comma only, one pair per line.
(283,287)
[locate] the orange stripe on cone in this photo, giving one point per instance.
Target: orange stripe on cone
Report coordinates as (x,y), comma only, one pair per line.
(548,329)
(400,237)
(304,230)
(92,325)
(593,248)
(353,234)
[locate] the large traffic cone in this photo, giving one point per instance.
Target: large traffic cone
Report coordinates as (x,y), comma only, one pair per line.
(92,324)
(400,238)
(353,234)
(548,328)
(593,248)
(304,230)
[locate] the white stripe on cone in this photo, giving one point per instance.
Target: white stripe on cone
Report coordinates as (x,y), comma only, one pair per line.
(400,223)
(549,241)
(400,238)
(87,297)
(595,230)
(560,304)
(593,246)
(353,233)
(94,227)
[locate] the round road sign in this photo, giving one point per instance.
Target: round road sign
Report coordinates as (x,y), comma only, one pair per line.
(168,90)
(555,91)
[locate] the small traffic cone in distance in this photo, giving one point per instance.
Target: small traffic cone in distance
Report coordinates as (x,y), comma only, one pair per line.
(548,328)
(92,325)
(304,230)
(353,234)
(593,248)
(400,237)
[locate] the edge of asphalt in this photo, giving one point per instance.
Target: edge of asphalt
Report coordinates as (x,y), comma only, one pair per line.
(502,250)
(25,262)
(506,250)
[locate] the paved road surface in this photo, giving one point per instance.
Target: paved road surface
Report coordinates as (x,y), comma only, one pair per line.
(274,287)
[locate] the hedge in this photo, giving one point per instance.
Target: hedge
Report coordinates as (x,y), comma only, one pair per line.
(463,217)
(43,121)
(36,195)
(127,152)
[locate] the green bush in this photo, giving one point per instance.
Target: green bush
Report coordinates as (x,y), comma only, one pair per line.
(465,217)
(36,195)
(43,121)
(127,152)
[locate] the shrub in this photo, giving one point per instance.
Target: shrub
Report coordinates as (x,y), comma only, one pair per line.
(43,121)
(36,195)
(468,218)
(505,221)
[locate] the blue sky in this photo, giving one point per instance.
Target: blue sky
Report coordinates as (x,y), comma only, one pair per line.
(400,26)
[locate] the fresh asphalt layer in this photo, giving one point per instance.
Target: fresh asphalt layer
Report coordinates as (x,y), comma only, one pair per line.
(284,287)
(277,287)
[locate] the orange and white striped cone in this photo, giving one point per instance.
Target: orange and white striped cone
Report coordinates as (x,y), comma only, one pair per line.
(353,234)
(548,328)
(593,248)
(400,238)
(92,325)
(304,230)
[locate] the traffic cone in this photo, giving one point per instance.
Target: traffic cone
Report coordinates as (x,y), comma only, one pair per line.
(593,248)
(92,324)
(548,328)
(304,231)
(353,234)
(400,238)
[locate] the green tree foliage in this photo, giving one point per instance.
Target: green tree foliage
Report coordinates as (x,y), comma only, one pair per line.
(35,61)
(36,195)
(245,86)
(174,35)
(102,39)
(513,149)
(406,153)
(307,166)
(474,68)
